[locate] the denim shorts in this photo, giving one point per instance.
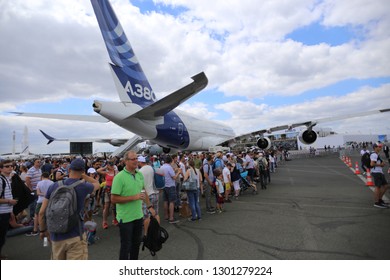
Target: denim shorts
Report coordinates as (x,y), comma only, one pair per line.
(169,194)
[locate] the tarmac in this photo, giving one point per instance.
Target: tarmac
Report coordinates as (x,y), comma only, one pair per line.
(314,209)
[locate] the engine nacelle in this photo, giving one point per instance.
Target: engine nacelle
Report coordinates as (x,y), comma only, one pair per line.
(307,137)
(264,143)
(166,150)
(117,142)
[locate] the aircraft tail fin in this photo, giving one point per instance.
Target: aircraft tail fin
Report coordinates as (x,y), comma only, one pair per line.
(48,137)
(130,79)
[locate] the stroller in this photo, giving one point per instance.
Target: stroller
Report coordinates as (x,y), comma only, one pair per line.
(245,185)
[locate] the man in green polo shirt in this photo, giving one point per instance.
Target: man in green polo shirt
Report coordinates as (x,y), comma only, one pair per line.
(127,193)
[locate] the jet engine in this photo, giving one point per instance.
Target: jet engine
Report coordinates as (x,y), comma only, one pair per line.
(117,142)
(166,150)
(264,143)
(307,137)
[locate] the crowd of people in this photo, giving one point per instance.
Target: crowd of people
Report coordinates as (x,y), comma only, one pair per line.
(124,188)
(216,178)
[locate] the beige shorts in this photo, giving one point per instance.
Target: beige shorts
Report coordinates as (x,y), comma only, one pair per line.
(70,249)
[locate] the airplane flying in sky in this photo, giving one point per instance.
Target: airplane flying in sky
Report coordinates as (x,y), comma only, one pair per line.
(159,121)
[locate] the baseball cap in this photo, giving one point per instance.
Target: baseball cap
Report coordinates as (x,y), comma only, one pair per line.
(77,164)
(141,159)
(91,170)
(377,145)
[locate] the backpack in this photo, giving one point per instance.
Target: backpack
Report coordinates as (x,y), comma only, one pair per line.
(90,229)
(260,165)
(23,193)
(155,237)
(159,180)
(366,161)
(4,185)
(61,211)
(220,164)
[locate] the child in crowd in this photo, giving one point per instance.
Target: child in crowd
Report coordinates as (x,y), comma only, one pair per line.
(220,192)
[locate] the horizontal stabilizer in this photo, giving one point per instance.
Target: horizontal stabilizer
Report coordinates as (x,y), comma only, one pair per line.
(112,141)
(83,118)
(170,102)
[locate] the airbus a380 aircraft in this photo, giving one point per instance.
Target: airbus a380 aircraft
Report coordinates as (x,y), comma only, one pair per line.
(140,112)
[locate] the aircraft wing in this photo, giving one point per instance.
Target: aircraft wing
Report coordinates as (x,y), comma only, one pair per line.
(84,118)
(112,141)
(308,124)
(171,101)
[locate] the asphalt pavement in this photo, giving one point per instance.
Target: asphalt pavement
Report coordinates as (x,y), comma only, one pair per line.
(314,209)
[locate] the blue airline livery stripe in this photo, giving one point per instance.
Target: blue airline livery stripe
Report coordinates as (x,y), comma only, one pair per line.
(118,46)
(131,76)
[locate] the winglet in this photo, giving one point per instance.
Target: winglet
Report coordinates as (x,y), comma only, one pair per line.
(48,137)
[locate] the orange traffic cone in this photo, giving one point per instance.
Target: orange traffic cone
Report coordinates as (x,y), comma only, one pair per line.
(357,171)
(369,183)
(350,163)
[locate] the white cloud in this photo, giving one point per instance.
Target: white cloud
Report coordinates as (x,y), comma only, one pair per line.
(247,116)
(53,50)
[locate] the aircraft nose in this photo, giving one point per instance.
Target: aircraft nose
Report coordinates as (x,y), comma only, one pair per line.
(97,107)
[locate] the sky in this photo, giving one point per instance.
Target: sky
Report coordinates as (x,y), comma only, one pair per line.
(268,63)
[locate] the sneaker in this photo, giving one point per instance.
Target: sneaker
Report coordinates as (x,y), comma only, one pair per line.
(33,233)
(210,211)
(383,203)
(173,221)
(380,205)
(192,220)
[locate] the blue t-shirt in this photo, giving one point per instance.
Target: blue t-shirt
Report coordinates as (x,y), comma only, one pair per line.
(82,191)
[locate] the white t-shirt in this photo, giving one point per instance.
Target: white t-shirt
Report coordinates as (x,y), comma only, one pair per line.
(377,159)
(43,186)
(148,173)
(226,175)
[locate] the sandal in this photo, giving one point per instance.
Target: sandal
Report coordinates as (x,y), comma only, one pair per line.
(105,225)
(115,222)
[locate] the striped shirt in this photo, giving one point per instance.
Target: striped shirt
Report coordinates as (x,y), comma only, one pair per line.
(4,207)
(35,176)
